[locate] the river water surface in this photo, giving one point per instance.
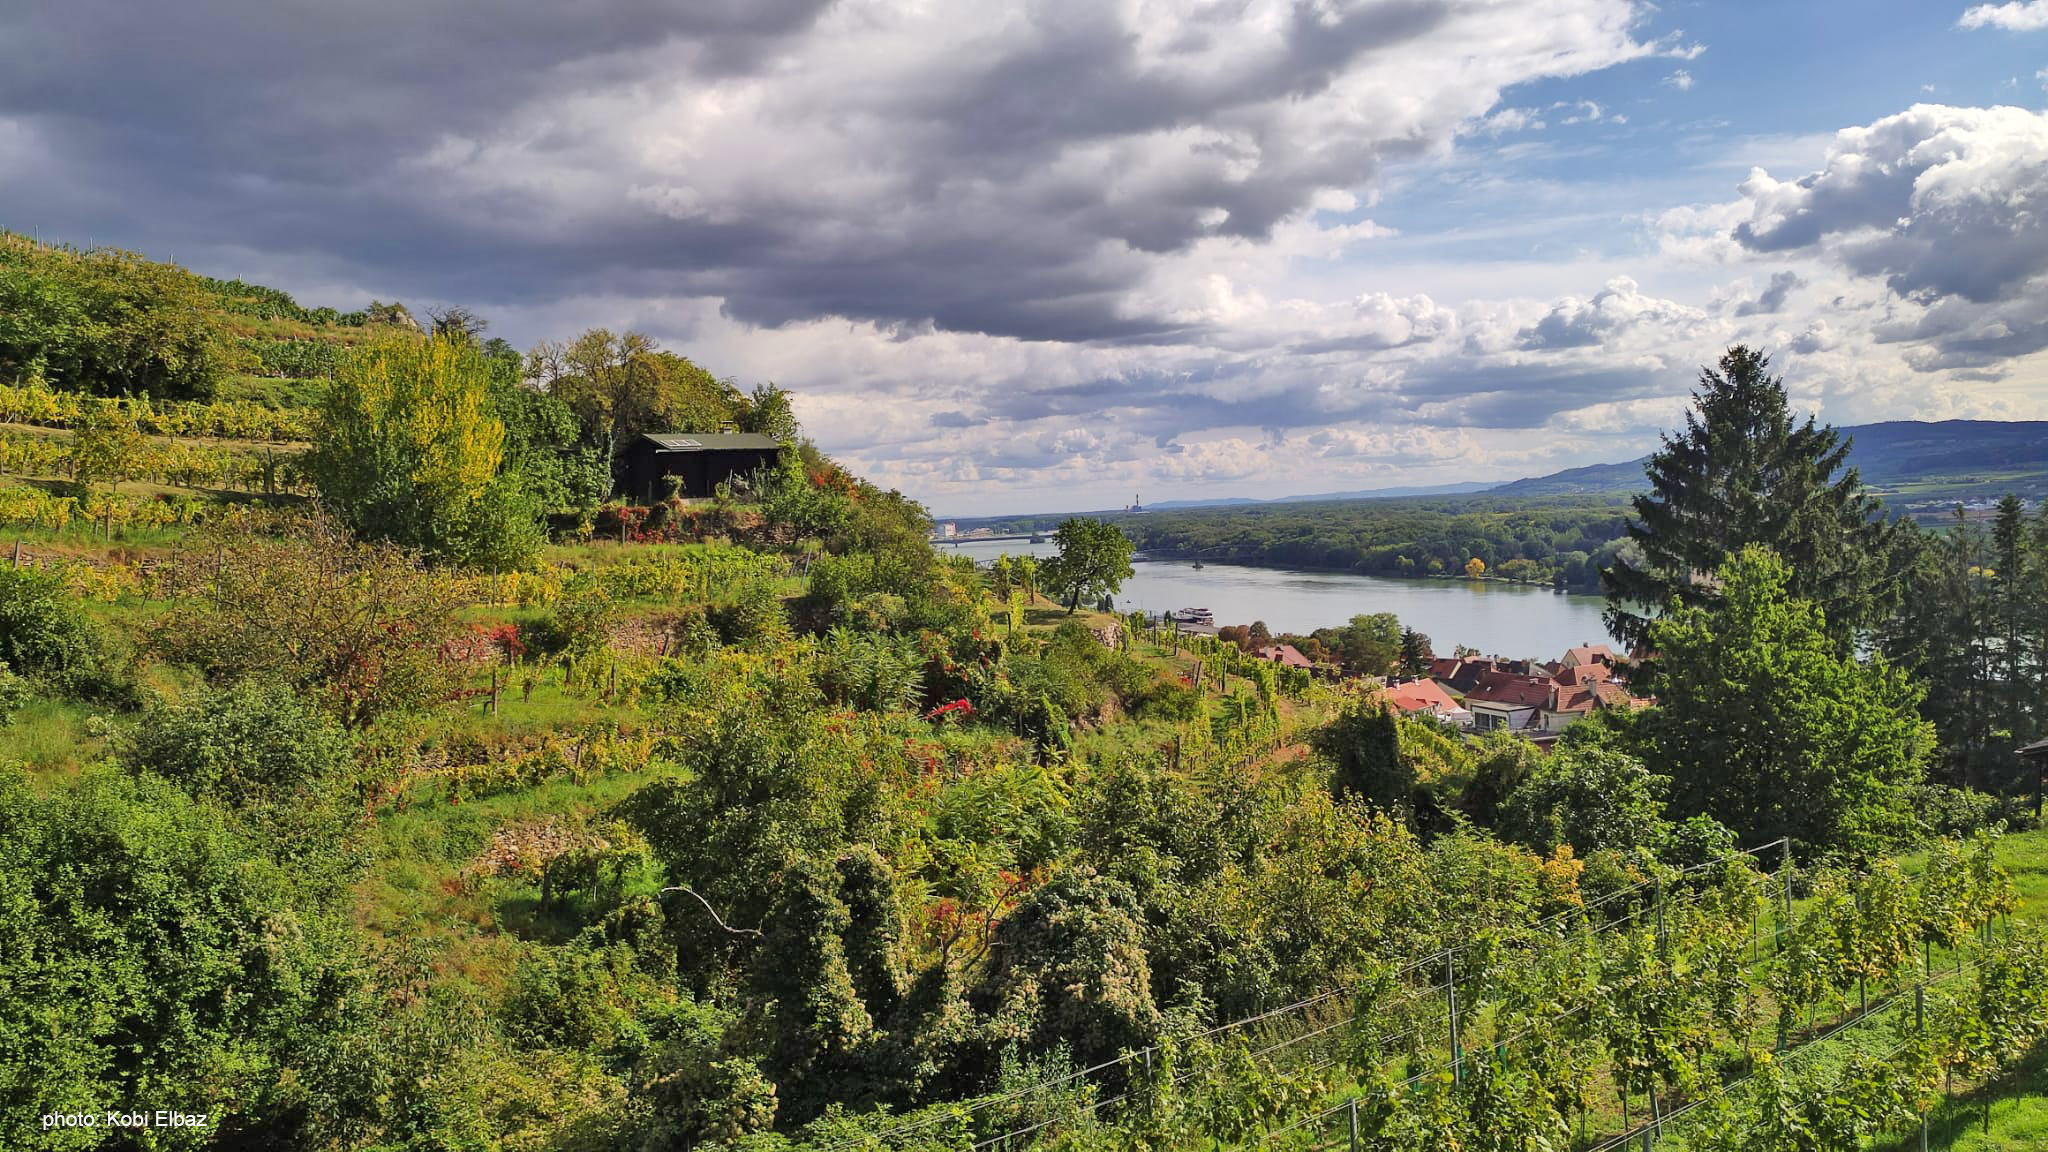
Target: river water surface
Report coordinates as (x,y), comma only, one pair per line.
(1500,619)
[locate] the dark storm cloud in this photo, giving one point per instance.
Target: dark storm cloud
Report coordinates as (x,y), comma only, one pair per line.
(287,91)
(1079,78)
(1019,179)
(282,126)
(1772,300)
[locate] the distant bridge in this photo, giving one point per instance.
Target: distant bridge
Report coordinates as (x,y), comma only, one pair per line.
(1035,538)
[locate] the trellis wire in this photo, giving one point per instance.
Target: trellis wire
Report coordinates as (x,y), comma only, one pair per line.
(1796,1051)
(1437,957)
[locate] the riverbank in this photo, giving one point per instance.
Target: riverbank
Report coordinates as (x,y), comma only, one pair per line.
(1440,577)
(1518,621)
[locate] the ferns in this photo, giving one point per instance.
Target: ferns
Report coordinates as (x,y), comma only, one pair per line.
(870,672)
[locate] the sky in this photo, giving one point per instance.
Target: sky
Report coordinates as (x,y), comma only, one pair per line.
(1058,254)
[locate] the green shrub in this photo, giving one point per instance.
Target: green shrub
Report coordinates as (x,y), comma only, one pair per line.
(578,624)
(1946,811)
(14,692)
(753,613)
(45,635)
(149,955)
(1591,798)
(248,743)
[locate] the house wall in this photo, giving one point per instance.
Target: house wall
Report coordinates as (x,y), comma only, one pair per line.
(1487,717)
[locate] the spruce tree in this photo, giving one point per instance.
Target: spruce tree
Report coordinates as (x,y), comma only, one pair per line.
(2012,552)
(1744,473)
(1942,632)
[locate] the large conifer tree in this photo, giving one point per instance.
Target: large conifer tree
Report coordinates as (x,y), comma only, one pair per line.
(1743,472)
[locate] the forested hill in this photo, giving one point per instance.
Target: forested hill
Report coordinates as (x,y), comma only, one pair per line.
(115,323)
(1919,466)
(1561,540)
(1562,528)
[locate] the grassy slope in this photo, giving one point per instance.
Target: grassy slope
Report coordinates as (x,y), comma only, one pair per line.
(421,847)
(2019,1108)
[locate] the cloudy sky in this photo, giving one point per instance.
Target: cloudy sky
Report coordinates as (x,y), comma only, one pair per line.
(1046,254)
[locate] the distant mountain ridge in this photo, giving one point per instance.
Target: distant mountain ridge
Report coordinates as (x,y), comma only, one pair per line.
(1920,467)
(1457,489)
(1916,464)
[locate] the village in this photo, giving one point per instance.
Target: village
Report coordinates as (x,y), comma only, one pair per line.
(1467,691)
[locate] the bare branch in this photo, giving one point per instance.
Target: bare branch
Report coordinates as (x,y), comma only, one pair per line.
(754,932)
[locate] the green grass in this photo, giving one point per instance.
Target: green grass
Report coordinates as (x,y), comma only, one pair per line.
(2017,1118)
(418,886)
(273,393)
(52,737)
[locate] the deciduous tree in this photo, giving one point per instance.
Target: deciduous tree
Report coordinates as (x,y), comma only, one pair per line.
(1766,725)
(1094,560)
(622,385)
(105,445)
(361,627)
(409,449)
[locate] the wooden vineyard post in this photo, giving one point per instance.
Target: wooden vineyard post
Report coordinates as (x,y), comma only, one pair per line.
(1354,1124)
(17,551)
(1785,884)
(494,691)
(1658,893)
(1457,1054)
(1862,985)
(1920,1027)
(526,690)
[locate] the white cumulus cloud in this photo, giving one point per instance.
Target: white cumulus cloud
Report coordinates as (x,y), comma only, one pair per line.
(2014,16)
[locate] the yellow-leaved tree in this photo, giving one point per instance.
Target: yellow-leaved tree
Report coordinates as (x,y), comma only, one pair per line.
(1475,568)
(409,449)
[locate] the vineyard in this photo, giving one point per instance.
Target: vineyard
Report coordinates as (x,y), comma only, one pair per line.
(194,451)
(1718,1007)
(46,407)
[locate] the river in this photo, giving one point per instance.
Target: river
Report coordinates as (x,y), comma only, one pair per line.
(1499,619)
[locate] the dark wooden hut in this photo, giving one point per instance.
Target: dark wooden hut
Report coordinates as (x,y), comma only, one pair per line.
(701,461)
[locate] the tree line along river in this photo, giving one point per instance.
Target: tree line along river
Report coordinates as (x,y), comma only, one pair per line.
(1510,620)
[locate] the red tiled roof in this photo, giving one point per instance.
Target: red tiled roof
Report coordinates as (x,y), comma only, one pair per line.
(1422,696)
(1575,698)
(1612,695)
(1585,674)
(1589,654)
(1285,654)
(1514,691)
